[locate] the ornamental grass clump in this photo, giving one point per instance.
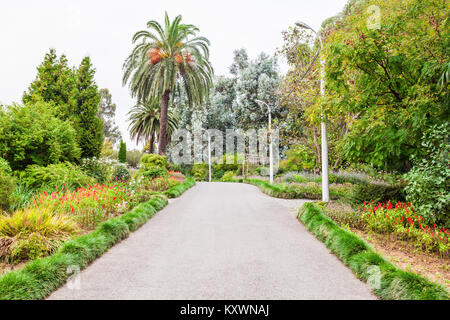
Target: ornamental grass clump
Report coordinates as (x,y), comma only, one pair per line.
(32,233)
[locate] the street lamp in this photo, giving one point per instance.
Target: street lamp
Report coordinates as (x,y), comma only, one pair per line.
(325,187)
(270,142)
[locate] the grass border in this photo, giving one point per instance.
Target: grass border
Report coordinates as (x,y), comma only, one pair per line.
(40,277)
(394,283)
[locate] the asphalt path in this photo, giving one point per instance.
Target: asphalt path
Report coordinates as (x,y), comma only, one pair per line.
(219,241)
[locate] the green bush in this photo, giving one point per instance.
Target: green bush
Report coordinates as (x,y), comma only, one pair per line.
(7,187)
(376,192)
(96,168)
(298,158)
(200,172)
(155,172)
(228,176)
(429,180)
(32,134)
(4,166)
(121,173)
(56,176)
(153,160)
(134,158)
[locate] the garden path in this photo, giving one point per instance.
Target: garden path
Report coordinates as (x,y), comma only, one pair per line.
(219,241)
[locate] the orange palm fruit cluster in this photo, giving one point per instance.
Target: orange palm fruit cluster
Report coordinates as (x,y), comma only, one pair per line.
(178,58)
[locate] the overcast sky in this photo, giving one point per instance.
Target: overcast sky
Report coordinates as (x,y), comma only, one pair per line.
(103,29)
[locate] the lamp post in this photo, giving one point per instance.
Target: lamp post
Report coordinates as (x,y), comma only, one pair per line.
(270,142)
(323,126)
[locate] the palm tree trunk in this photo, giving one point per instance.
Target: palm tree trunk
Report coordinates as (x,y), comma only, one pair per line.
(151,144)
(162,144)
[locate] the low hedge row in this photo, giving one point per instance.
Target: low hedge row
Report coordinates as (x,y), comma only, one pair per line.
(312,191)
(40,277)
(391,282)
(178,190)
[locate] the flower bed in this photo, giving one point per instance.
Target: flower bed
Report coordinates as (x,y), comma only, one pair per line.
(400,220)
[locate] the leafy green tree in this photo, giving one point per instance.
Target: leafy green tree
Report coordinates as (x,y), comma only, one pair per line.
(144,121)
(385,80)
(87,122)
(122,157)
(32,134)
(168,57)
(107,112)
(54,82)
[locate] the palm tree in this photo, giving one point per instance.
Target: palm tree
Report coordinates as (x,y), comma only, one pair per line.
(145,125)
(165,59)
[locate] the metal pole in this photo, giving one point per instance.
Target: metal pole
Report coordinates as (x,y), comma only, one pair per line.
(323,126)
(270,148)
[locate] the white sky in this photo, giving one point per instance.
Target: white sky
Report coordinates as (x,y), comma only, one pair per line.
(103,29)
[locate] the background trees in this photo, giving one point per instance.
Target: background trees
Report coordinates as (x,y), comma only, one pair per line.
(106,112)
(75,95)
(168,57)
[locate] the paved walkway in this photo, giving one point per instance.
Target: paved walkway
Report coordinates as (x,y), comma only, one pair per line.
(219,241)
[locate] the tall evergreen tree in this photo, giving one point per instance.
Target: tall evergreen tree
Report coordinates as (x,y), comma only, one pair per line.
(87,122)
(55,82)
(122,156)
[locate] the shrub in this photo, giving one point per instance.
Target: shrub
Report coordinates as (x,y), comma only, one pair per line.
(32,233)
(121,173)
(4,166)
(298,158)
(134,158)
(376,192)
(153,160)
(98,169)
(429,180)
(56,177)
(155,172)
(7,187)
(228,176)
(159,184)
(32,134)
(200,172)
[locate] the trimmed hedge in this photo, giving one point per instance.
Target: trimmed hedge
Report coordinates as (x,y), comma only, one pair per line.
(40,277)
(395,284)
(178,190)
(312,191)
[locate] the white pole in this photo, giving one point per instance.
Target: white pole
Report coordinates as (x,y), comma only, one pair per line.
(270,147)
(323,127)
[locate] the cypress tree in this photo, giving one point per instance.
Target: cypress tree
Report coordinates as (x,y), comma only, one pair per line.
(122,152)
(87,122)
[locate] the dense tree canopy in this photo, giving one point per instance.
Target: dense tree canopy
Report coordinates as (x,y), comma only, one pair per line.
(33,134)
(385,80)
